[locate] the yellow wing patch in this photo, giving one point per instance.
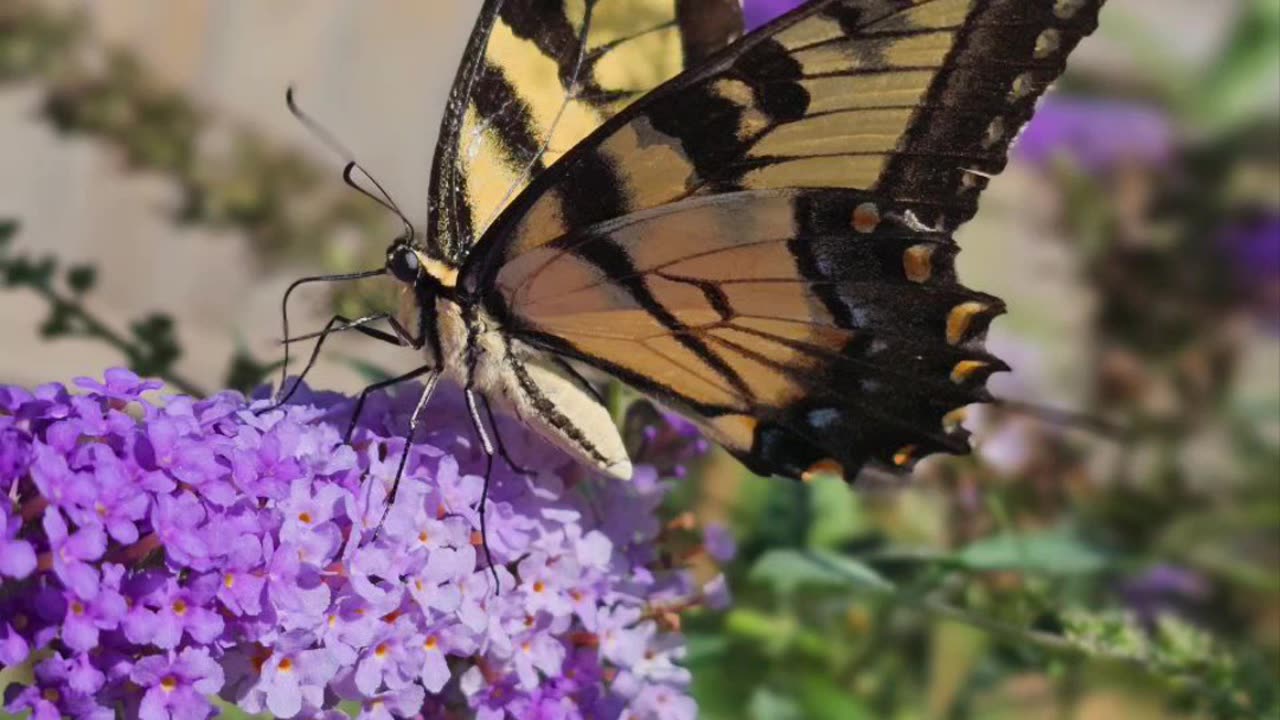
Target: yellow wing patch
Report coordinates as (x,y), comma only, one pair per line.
(539,76)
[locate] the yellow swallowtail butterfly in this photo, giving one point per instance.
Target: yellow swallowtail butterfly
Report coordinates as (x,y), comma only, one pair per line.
(755,230)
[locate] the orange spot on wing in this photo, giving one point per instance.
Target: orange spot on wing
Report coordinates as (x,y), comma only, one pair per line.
(917,262)
(821,468)
(866,218)
(965,370)
(960,318)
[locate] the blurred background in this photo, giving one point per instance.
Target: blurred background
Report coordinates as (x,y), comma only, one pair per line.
(156,198)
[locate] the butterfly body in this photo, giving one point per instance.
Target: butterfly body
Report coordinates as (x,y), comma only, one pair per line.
(471,348)
(762,241)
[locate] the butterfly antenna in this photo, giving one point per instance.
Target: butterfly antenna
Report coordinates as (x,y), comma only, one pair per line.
(284,321)
(385,201)
(328,138)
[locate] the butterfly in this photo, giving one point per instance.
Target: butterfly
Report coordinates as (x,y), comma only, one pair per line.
(754,230)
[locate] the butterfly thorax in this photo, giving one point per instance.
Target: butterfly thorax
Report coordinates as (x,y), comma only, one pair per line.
(467,345)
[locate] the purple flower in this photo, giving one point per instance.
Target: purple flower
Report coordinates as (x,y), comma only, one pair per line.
(72,551)
(177,685)
(110,496)
(393,660)
(15,453)
(242,584)
(1252,247)
(172,611)
(720,543)
(17,557)
(14,648)
(1097,136)
(660,703)
(85,620)
(21,699)
(445,639)
(283,681)
(122,386)
(198,547)
(759,12)
(1162,589)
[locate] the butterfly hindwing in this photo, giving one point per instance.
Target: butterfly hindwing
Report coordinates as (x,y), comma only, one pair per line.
(540,75)
(793,336)
(765,241)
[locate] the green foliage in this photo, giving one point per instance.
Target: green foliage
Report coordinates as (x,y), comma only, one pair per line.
(1228,93)
(787,570)
(1052,552)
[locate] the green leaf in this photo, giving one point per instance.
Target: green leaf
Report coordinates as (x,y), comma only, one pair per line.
(786,570)
(823,699)
(8,228)
(82,278)
(767,704)
(1241,84)
(1054,552)
(834,512)
(245,372)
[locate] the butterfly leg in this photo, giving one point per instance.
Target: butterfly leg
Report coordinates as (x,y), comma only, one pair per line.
(487,444)
(498,444)
(382,385)
(337,323)
(428,389)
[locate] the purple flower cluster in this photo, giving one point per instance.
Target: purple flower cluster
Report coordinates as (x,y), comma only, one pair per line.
(759,12)
(1096,136)
(157,552)
(1252,248)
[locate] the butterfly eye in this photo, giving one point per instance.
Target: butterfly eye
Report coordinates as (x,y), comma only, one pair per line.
(403,263)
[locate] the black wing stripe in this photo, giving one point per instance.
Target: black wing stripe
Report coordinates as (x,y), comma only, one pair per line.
(613,261)
(548,411)
(495,99)
(816,385)
(526,58)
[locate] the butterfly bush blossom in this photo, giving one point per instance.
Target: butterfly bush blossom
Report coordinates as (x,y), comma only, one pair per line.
(155,553)
(758,12)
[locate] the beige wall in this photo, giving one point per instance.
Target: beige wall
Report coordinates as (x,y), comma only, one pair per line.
(375,72)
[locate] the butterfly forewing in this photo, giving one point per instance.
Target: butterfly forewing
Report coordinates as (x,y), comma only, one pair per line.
(538,77)
(765,241)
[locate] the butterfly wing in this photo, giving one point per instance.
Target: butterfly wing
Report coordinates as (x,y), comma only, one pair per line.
(766,242)
(537,77)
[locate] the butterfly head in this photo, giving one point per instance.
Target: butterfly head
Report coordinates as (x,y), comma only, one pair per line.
(413,267)
(403,262)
